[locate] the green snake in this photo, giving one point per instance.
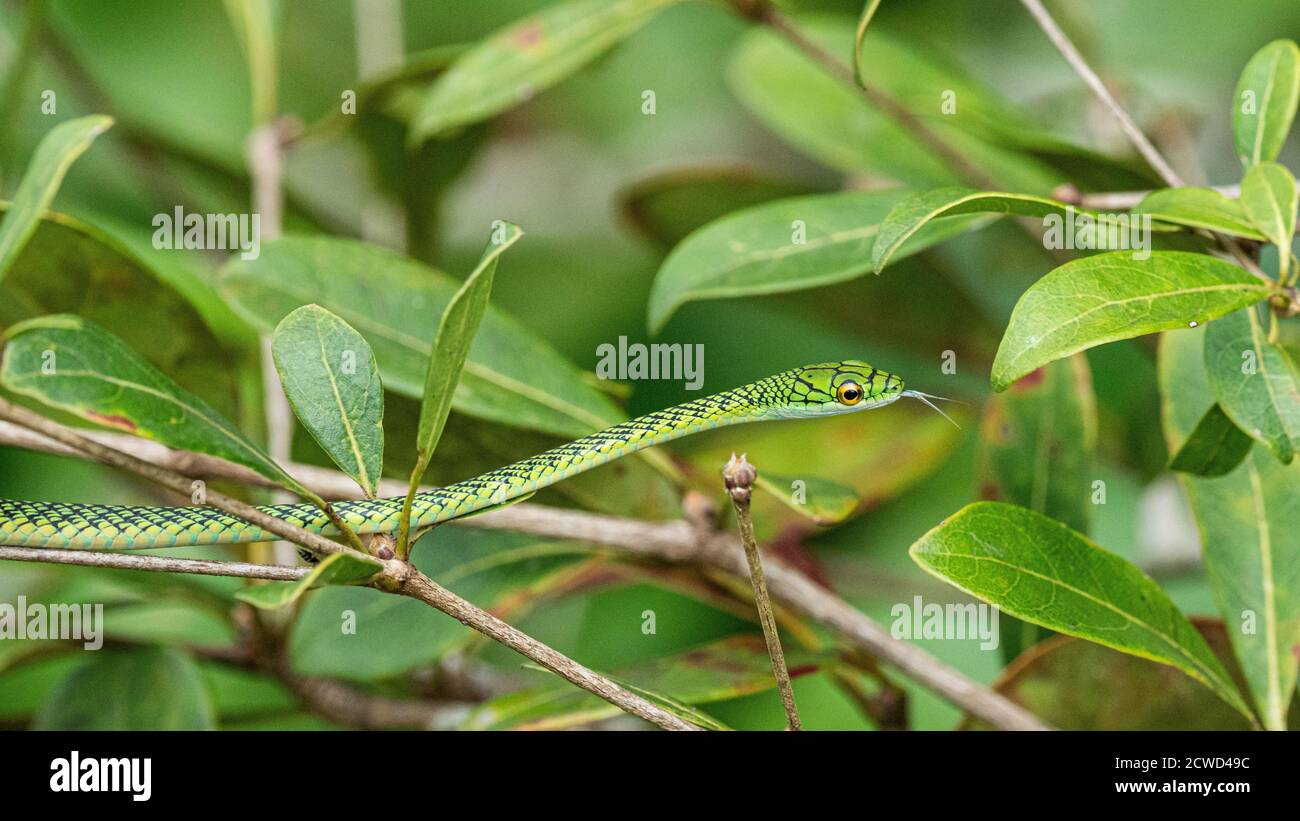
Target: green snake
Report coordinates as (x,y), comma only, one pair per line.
(811,391)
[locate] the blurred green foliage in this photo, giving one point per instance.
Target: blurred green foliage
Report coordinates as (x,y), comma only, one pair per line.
(604,191)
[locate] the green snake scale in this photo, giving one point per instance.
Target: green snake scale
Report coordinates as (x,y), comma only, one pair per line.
(814,390)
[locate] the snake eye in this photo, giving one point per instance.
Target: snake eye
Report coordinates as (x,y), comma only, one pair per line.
(849,393)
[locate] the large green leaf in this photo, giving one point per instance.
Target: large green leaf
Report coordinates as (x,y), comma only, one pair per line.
(787,245)
(1112,296)
(149,688)
(54,155)
(77,366)
(457,328)
(917,211)
(1265,105)
(528,56)
(1214,447)
(1198,208)
(1247,520)
(1039,570)
(330,378)
(335,569)
(1255,382)
(511,376)
(1268,196)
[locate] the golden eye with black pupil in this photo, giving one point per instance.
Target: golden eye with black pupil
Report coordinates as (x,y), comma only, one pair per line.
(849,393)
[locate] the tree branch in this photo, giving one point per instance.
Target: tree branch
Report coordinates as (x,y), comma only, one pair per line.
(675,542)
(1139,140)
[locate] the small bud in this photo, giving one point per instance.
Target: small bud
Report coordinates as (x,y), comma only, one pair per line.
(739,476)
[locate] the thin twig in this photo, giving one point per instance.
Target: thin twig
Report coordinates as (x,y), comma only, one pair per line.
(1139,140)
(266,172)
(1085,72)
(677,542)
(155,564)
(770,16)
(739,476)
(1120,200)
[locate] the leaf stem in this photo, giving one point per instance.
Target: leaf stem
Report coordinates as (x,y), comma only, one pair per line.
(738,477)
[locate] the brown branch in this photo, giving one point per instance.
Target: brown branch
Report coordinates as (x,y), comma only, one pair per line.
(676,542)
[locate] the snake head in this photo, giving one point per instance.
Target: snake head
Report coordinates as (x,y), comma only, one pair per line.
(841,387)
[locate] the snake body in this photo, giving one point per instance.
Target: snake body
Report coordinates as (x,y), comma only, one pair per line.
(814,390)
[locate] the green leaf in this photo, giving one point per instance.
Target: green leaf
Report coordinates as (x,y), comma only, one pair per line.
(1255,382)
(149,688)
(1123,692)
(1038,440)
(1039,570)
(915,212)
(77,366)
(1199,208)
(824,501)
(56,152)
(787,245)
(1099,299)
(335,569)
(827,117)
(860,33)
(1248,534)
(69,266)
(1268,196)
(255,28)
(528,56)
(1266,99)
(1215,446)
(511,375)
(669,206)
(451,343)
(330,377)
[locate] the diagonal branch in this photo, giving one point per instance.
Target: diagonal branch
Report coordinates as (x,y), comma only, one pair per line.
(1139,140)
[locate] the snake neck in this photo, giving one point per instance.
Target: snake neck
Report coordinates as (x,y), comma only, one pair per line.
(761,400)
